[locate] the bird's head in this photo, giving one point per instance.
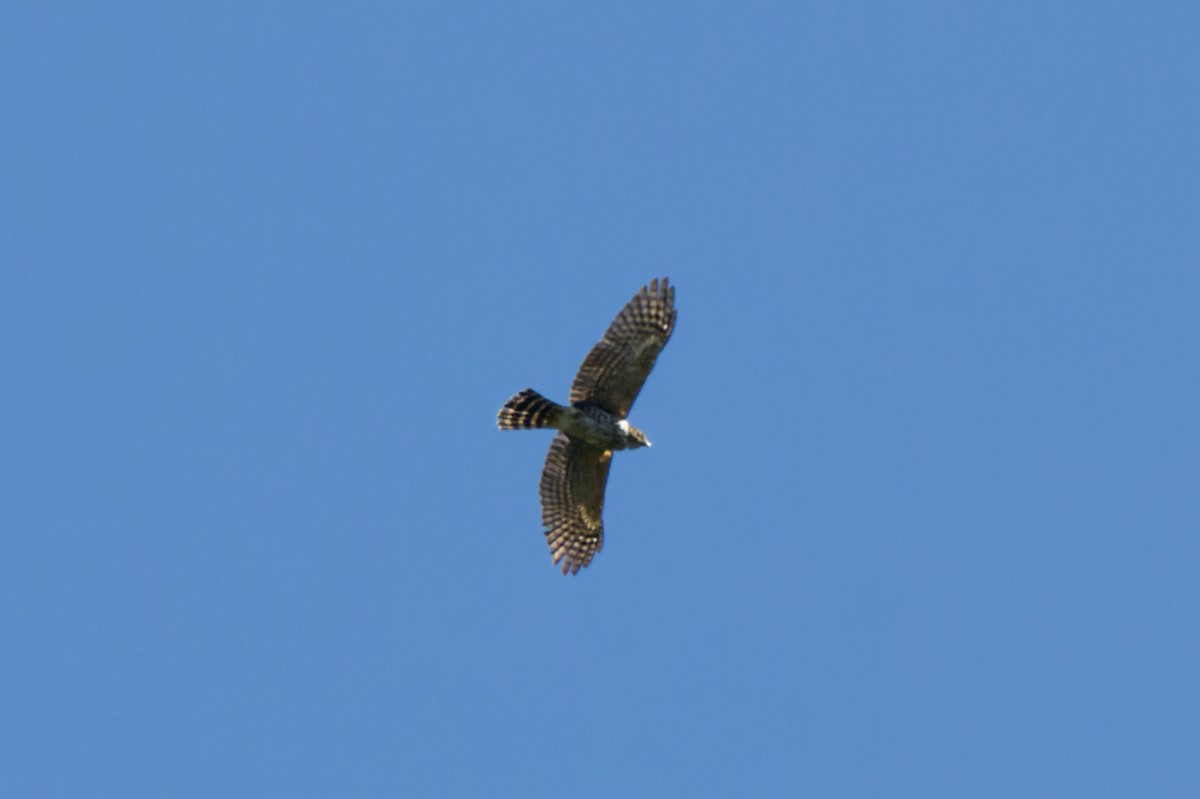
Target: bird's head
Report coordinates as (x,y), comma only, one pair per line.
(635,438)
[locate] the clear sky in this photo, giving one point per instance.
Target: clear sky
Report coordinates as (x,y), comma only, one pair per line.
(921,516)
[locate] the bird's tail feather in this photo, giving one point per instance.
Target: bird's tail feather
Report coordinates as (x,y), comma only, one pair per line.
(527,410)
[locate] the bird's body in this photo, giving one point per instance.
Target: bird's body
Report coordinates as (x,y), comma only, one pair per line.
(593,424)
(589,423)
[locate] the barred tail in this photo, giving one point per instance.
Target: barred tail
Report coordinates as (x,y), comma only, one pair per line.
(527,410)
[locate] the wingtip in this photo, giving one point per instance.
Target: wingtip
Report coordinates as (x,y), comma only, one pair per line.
(657,287)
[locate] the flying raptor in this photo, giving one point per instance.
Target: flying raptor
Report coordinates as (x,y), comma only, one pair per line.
(592,425)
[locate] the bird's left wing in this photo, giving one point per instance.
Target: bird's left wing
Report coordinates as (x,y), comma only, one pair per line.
(572,491)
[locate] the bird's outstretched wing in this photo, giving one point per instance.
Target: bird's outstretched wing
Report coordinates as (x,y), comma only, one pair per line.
(572,500)
(613,372)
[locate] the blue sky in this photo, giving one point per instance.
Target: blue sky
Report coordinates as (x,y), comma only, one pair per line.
(921,515)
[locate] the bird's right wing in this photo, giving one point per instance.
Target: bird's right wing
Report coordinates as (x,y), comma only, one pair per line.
(613,372)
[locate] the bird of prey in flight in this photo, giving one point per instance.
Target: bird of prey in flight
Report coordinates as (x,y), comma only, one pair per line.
(592,425)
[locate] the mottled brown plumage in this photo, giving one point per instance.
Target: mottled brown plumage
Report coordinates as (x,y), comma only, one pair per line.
(593,424)
(614,371)
(572,490)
